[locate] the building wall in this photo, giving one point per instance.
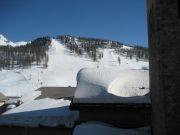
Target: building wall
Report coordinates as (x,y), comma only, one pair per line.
(164,49)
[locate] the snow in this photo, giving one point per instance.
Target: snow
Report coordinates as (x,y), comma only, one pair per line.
(126,47)
(2,37)
(77,41)
(110,60)
(46,112)
(13,84)
(4,41)
(104,129)
(19,43)
(11,106)
(107,85)
(30,95)
(62,70)
(63,67)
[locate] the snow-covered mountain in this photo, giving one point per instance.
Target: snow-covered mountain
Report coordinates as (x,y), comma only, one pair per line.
(4,42)
(90,41)
(19,43)
(62,69)
(91,46)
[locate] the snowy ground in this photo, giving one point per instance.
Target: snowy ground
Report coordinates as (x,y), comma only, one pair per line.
(62,69)
(14,83)
(104,129)
(110,60)
(46,112)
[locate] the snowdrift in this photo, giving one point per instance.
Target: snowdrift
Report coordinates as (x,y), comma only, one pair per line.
(111,85)
(14,84)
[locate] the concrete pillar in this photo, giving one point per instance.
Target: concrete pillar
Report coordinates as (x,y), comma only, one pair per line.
(164,49)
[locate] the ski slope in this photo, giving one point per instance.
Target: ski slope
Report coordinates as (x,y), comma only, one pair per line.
(110,60)
(62,70)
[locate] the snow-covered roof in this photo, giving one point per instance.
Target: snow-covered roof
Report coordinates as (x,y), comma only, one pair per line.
(104,129)
(112,85)
(46,112)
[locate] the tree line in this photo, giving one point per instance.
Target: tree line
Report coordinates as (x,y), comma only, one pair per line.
(33,53)
(88,46)
(138,52)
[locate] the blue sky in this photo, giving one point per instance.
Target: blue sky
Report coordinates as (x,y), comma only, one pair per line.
(120,20)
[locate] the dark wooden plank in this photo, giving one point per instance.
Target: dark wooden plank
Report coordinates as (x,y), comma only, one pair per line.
(107,106)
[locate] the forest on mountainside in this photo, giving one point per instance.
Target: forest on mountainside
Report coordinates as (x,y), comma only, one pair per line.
(90,46)
(33,53)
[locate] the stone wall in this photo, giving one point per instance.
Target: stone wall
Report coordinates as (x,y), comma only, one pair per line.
(164,47)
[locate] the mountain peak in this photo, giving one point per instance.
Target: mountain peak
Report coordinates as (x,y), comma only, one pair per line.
(4,42)
(2,37)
